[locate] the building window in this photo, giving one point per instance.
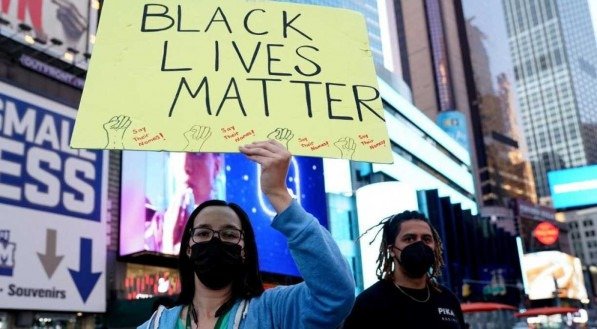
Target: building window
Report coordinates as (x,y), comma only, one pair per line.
(548,9)
(543,62)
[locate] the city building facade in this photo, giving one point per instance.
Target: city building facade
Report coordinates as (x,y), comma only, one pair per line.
(461,76)
(504,170)
(555,66)
(583,233)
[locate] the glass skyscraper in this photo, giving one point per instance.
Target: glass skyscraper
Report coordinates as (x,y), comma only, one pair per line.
(504,171)
(555,65)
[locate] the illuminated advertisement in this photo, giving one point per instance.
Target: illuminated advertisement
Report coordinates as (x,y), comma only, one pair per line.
(71,22)
(453,122)
(547,271)
(543,235)
(538,227)
(160,189)
(546,233)
(144,282)
(53,209)
(574,187)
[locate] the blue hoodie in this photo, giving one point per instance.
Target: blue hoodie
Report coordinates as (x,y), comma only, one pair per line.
(322,300)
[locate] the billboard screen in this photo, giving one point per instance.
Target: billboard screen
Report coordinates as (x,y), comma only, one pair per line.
(160,189)
(52,209)
(454,123)
(571,188)
(147,281)
(73,22)
(547,270)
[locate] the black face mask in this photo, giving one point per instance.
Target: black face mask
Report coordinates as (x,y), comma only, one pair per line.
(416,259)
(216,263)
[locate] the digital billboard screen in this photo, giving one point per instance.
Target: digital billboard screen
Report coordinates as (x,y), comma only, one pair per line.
(160,189)
(572,188)
(56,25)
(547,271)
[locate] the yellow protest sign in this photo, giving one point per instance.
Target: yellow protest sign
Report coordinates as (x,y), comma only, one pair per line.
(206,75)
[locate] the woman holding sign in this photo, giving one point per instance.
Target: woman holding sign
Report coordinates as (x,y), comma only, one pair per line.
(220,282)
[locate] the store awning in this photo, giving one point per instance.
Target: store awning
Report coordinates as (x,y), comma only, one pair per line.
(485,307)
(546,311)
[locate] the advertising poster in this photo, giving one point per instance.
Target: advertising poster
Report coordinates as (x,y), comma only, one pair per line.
(52,209)
(73,22)
(548,271)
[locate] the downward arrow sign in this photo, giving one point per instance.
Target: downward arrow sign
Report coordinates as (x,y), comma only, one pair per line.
(49,260)
(84,279)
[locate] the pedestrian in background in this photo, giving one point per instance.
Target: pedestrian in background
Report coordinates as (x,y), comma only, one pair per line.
(407,295)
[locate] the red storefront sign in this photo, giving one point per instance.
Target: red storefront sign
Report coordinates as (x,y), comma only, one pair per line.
(546,233)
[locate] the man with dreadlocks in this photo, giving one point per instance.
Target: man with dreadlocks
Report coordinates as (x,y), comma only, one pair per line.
(407,294)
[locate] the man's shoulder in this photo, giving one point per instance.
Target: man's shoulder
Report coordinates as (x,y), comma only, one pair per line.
(446,295)
(445,291)
(377,289)
(379,285)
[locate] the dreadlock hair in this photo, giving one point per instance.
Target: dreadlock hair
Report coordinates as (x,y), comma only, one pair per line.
(391,228)
(248,284)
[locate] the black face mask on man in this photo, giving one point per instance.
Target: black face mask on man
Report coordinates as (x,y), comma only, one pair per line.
(216,263)
(416,259)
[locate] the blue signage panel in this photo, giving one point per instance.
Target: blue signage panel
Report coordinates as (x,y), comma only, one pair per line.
(575,187)
(38,170)
(454,123)
(52,209)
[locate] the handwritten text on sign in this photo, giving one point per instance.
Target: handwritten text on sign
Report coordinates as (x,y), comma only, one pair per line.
(211,75)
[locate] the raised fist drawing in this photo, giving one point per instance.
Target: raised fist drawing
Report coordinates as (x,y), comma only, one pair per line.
(347,146)
(196,137)
(115,129)
(282,135)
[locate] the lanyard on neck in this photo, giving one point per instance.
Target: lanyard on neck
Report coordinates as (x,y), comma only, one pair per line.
(188,322)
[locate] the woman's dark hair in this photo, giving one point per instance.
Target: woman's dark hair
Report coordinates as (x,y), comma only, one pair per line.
(247,284)
(391,228)
(161,300)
